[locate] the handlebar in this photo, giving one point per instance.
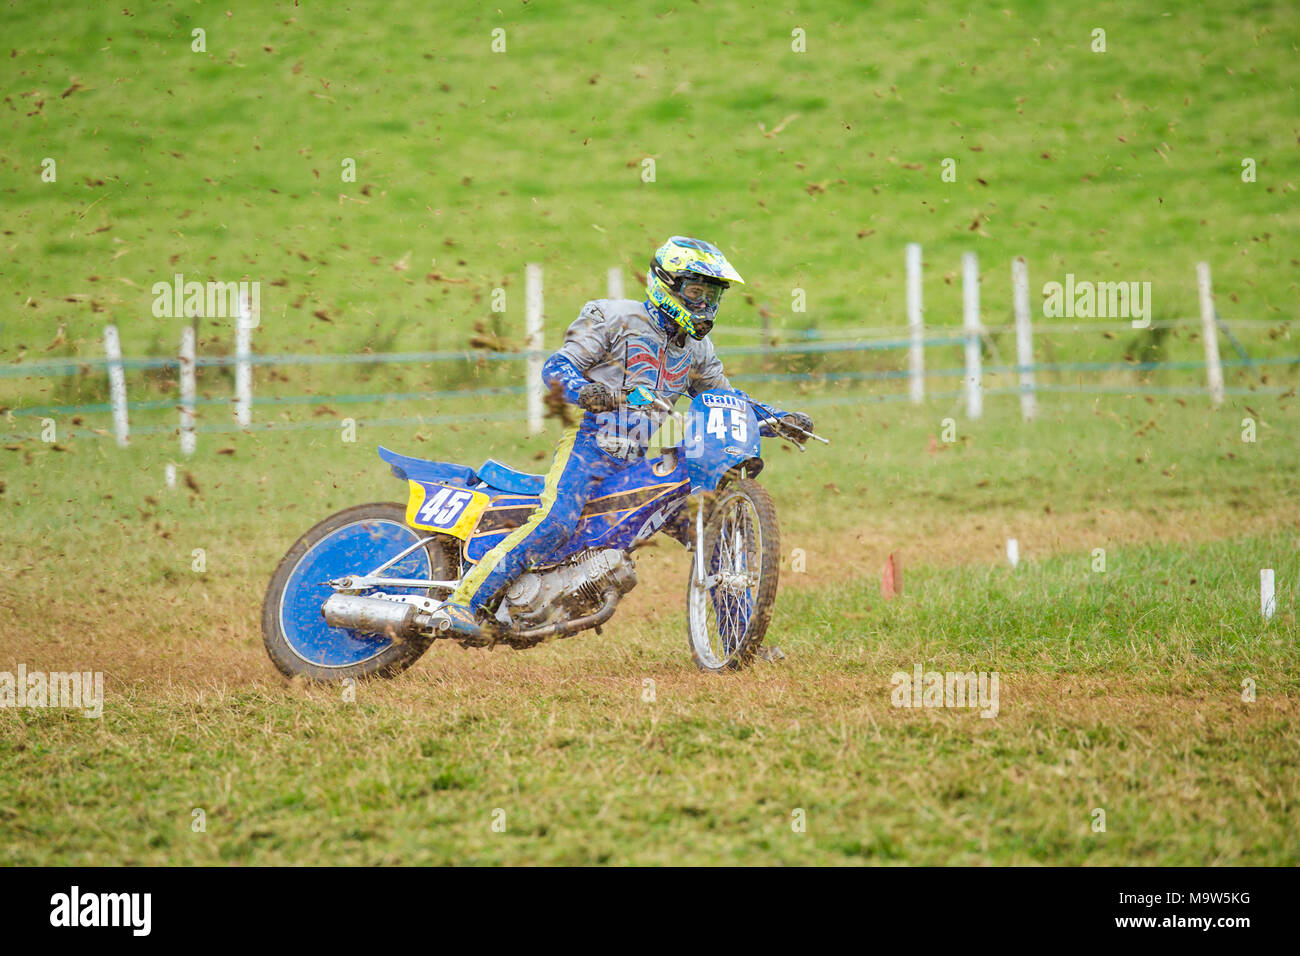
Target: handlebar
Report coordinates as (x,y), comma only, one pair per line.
(776,423)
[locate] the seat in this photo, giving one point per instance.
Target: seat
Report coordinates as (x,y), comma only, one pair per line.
(417,469)
(508,479)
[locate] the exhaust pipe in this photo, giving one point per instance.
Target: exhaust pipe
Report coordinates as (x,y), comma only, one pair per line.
(368,615)
(400,621)
(594,619)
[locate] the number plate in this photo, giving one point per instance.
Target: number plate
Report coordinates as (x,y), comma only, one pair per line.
(444,508)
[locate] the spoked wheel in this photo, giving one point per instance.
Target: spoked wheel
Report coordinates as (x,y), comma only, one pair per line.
(355,541)
(729,600)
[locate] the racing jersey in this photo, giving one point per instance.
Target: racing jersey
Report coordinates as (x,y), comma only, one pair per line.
(621,344)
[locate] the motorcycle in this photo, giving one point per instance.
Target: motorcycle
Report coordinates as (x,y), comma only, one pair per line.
(353,597)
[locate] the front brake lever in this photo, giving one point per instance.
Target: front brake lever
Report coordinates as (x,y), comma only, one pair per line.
(808,434)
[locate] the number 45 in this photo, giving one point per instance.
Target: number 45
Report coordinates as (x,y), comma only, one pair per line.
(443,507)
(717,424)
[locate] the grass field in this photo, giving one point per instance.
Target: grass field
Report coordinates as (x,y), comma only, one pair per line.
(1123,690)
(1118,166)
(1120,690)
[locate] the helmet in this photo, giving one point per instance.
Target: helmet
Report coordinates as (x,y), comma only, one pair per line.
(686,280)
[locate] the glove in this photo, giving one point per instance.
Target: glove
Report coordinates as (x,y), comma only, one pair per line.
(798,420)
(597,398)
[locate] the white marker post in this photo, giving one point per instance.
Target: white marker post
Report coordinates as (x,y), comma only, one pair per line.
(970,307)
(915,325)
(1013,551)
(533,341)
(1210,333)
(1267,603)
(243,369)
(116,385)
(1024,337)
(614,282)
(169,475)
(188,436)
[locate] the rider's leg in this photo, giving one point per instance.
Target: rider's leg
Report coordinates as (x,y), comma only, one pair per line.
(578,467)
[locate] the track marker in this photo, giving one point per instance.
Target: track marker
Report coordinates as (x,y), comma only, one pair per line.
(1267,603)
(169,475)
(1013,551)
(891,582)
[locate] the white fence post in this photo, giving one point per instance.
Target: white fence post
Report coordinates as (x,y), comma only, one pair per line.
(915,324)
(970,302)
(1210,333)
(188,437)
(614,282)
(1267,600)
(533,334)
(116,384)
(1024,337)
(243,370)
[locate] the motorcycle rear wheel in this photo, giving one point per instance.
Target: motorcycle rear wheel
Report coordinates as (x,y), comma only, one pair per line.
(356,540)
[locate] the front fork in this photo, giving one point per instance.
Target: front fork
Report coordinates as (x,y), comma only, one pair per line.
(699,541)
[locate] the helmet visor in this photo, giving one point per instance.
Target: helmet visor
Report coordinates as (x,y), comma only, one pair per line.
(700,295)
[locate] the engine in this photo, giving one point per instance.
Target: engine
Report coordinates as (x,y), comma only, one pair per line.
(574,588)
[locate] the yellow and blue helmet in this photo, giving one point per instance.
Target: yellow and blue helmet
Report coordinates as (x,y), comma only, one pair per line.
(686,280)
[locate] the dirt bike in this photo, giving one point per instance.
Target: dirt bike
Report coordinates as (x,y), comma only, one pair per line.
(353,597)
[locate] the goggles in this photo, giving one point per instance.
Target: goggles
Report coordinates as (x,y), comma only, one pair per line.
(700,295)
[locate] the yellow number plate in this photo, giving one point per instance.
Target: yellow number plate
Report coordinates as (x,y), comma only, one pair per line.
(444,508)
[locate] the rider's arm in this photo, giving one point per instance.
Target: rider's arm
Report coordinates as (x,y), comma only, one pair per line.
(560,372)
(586,343)
(587,340)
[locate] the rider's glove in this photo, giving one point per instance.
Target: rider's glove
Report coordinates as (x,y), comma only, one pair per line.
(799,420)
(597,398)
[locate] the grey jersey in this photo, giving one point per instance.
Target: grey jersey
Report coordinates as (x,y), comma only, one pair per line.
(618,343)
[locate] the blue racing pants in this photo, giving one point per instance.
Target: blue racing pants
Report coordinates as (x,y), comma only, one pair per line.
(578,467)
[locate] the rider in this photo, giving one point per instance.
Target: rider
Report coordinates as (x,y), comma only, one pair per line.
(614,346)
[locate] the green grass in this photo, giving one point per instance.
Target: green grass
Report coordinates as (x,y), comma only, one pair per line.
(1119,691)
(1123,165)
(1114,695)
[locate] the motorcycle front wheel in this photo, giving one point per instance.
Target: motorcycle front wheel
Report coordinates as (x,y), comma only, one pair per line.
(729,596)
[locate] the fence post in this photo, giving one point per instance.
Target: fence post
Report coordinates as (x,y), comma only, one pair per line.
(1210,333)
(188,437)
(116,384)
(970,301)
(916,352)
(614,283)
(243,370)
(533,335)
(1024,337)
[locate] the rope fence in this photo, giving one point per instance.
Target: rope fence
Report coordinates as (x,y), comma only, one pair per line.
(972,338)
